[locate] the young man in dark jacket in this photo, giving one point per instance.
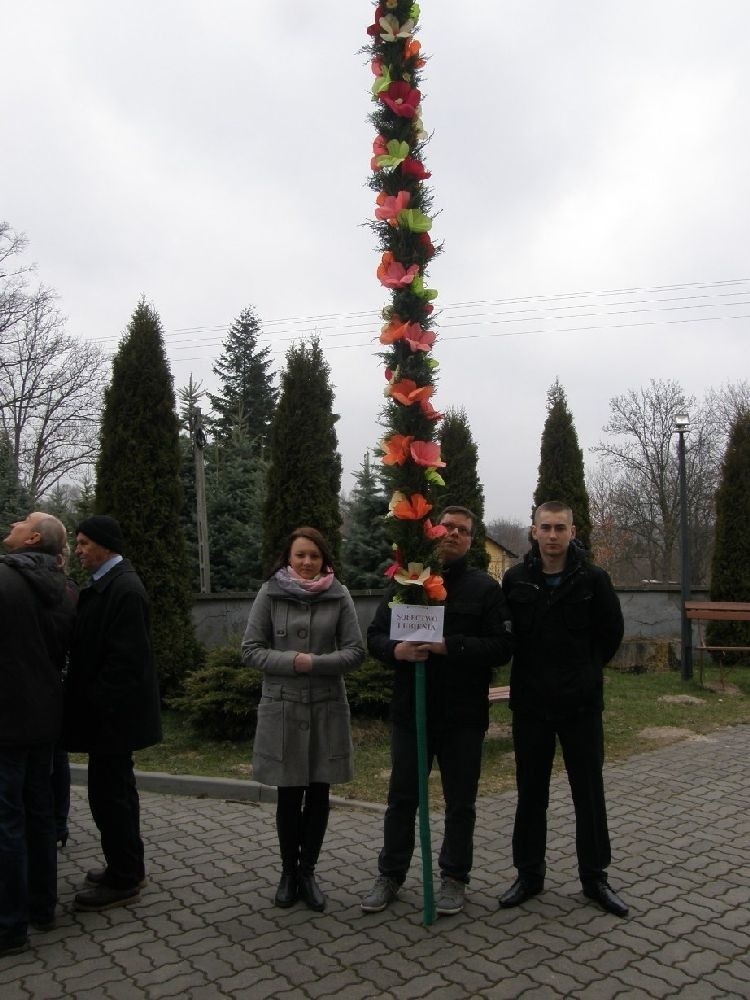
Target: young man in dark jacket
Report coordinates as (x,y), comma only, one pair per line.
(37,615)
(111,706)
(567,623)
(477,637)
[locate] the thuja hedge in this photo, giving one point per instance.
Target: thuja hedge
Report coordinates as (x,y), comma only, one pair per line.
(220,699)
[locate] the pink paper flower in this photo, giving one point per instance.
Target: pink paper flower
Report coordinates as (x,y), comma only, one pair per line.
(393,274)
(426,453)
(390,205)
(419,339)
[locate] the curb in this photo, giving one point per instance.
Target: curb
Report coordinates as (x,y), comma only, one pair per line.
(200,787)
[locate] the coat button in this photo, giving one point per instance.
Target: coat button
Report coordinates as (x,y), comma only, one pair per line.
(304,725)
(302,633)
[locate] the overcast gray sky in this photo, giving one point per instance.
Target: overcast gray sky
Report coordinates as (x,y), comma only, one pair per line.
(590,162)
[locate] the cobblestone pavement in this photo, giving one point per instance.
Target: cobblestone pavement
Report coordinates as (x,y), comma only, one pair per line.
(206,926)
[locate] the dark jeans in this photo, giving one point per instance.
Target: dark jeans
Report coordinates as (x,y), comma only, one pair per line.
(28,851)
(582,741)
(113,798)
(459,756)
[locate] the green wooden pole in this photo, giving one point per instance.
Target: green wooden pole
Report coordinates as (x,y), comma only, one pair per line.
(428,894)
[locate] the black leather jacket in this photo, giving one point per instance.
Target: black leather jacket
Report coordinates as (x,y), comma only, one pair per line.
(478,637)
(564,635)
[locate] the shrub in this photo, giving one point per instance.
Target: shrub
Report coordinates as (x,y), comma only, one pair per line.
(369,689)
(220,699)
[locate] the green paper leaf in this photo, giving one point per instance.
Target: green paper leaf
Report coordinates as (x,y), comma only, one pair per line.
(382,82)
(397,153)
(414,220)
(433,476)
(417,286)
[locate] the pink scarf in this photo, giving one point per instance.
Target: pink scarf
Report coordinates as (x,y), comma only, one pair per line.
(292,582)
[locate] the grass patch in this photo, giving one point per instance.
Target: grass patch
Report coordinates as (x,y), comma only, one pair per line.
(633,704)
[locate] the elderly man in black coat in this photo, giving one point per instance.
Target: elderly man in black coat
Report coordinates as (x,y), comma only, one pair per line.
(37,614)
(111,706)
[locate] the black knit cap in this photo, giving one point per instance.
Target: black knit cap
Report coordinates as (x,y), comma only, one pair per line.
(103,530)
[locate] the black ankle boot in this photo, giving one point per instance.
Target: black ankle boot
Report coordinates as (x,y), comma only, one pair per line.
(288,891)
(309,892)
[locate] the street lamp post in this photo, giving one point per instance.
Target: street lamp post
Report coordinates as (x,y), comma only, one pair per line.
(682,422)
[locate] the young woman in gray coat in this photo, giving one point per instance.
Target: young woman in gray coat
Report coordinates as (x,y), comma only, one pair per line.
(303,635)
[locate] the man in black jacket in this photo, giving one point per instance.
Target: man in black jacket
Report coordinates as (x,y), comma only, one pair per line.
(37,614)
(476,638)
(567,623)
(111,706)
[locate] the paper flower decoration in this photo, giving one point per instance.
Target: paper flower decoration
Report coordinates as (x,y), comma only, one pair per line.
(413,508)
(390,207)
(434,588)
(396,448)
(414,574)
(426,453)
(402,99)
(407,392)
(393,274)
(433,531)
(417,338)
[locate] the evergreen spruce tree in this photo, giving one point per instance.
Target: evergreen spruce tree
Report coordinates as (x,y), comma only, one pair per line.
(561,475)
(138,482)
(366,551)
(730,570)
(246,384)
(189,397)
(235,488)
(462,486)
(304,473)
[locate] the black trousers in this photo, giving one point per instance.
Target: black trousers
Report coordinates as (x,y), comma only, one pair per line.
(582,740)
(459,756)
(113,798)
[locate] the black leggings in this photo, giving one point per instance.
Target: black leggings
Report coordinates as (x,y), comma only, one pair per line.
(301,828)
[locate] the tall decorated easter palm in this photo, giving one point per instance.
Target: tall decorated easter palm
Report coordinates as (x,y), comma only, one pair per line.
(402,224)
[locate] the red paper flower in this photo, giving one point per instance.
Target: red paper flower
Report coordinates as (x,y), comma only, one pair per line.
(412,167)
(401,99)
(393,274)
(406,392)
(396,448)
(429,411)
(433,531)
(426,453)
(426,244)
(374,29)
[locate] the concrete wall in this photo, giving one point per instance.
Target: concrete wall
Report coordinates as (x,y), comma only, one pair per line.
(652,615)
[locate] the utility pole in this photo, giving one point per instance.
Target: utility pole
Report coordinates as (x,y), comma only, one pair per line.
(199,443)
(682,426)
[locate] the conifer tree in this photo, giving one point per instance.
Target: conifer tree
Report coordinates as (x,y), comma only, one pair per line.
(246,383)
(138,482)
(730,570)
(561,474)
(13,499)
(462,486)
(366,551)
(304,473)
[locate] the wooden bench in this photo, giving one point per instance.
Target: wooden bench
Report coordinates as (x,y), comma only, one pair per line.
(498,694)
(717,611)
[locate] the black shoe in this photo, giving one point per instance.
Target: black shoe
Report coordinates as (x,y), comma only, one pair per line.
(98,876)
(519,892)
(104,897)
(606,897)
(288,891)
(45,924)
(309,892)
(13,946)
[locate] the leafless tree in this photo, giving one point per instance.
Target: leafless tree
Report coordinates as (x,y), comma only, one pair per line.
(50,395)
(514,535)
(13,278)
(637,499)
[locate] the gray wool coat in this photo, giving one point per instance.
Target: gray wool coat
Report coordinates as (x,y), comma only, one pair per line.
(304,727)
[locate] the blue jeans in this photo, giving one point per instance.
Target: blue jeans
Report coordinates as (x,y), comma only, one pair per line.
(28,848)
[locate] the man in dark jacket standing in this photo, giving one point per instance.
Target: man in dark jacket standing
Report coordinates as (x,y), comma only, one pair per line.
(567,623)
(111,706)
(37,615)
(476,638)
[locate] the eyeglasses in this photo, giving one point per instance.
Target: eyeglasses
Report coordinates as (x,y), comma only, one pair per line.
(460,528)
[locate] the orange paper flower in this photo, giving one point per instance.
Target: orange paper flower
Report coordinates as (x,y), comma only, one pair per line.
(407,392)
(412,509)
(396,449)
(393,331)
(433,531)
(433,587)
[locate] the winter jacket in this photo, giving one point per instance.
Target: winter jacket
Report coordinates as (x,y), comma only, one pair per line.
(36,617)
(564,635)
(304,730)
(478,637)
(111,692)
